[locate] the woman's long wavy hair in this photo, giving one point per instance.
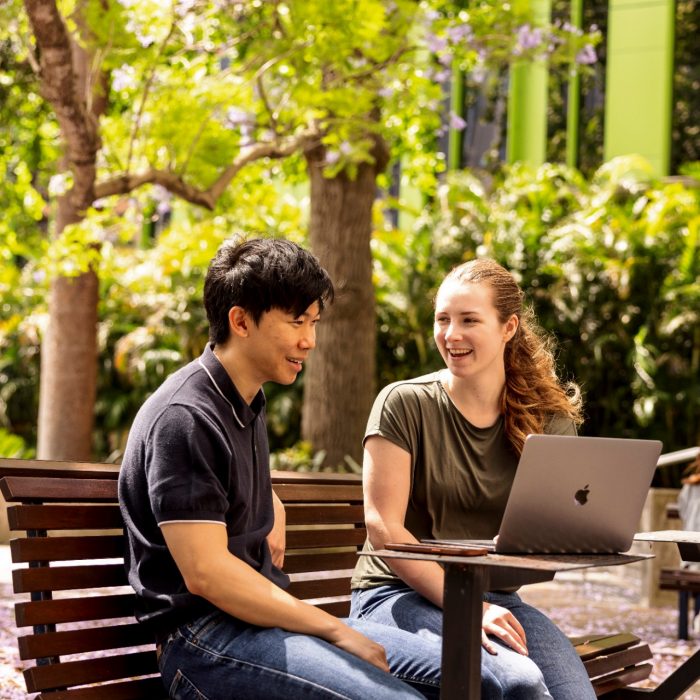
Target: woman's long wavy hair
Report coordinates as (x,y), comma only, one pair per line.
(533,393)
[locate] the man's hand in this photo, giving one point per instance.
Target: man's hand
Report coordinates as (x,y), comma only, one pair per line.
(356,643)
(501,623)
(276,540)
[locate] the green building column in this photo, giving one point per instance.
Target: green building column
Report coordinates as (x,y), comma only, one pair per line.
(527,100)
(639,81)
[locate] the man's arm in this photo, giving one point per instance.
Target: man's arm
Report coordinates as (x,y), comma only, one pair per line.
(277,538)
(212,572)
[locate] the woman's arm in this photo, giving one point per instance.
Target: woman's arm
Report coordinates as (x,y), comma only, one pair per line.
(387,484)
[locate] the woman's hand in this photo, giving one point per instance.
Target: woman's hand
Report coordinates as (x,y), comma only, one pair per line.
(500,622)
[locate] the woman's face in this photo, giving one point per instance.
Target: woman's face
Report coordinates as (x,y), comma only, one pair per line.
(467,330)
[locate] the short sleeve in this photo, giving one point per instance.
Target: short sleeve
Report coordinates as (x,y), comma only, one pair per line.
(394,417)
(560,425)
(186,456)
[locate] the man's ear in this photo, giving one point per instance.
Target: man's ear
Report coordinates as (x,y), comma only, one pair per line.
(238,321)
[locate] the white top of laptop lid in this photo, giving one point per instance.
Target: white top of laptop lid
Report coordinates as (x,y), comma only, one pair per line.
(577,494)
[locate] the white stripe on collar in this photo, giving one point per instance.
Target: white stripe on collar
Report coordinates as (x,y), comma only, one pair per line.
(233,410)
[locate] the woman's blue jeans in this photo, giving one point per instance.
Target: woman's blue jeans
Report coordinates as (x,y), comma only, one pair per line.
(551,655)
(218,657)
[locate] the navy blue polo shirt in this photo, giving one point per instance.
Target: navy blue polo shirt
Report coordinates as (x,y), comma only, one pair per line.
(197,452)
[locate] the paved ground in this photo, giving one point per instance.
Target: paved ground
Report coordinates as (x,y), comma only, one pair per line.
(577,603)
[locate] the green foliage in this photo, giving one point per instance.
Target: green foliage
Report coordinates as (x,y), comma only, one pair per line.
(13,446)
(612,267)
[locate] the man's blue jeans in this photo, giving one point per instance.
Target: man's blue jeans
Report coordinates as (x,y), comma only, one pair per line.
(218,657)
(551,655)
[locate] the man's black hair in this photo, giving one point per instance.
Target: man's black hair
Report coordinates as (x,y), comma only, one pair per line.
(258,275)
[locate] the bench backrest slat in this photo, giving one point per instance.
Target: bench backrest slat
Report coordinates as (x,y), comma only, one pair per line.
(26,549)
(26,488)
(65,578)
(73,517)
(133,689)
(65,610)
(35,646)
(102,668)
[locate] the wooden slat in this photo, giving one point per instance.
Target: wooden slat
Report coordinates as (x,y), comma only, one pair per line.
(105,668)
(316,588)
(49,612)
(324,478)
(339,608)
(314,493)
(34,646)
(27,549)
(621,679)
(63,578)
(75,517)
(27,488)
(331,537)
(604,645)
(137,689)
(324,515)
(56,468)
(319,561)
(609,663)
(680,579)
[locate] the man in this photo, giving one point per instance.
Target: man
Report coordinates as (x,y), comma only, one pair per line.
(204,538)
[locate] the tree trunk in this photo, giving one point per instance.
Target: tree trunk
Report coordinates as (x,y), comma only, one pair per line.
(69,362)
(339,381)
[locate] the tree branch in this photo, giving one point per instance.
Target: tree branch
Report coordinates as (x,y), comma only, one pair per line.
(205,198)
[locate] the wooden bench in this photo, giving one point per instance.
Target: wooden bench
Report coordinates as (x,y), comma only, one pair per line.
(685,581)
(73,594)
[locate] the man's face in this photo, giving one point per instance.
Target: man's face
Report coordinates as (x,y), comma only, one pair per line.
(280,342)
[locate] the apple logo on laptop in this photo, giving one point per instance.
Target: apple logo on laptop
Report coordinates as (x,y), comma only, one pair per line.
(581,496)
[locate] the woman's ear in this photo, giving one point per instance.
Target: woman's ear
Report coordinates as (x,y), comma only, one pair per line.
(238,321)
(511,325)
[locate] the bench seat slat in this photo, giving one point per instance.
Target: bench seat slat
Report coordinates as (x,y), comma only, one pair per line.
(340,514)
(621,679)
(28,549)
(603,665)
(34,646)
(331,537)
(63,578)
(137,689)
(603,644)
(54,517)
(103,668)
(53,612)
(27,488)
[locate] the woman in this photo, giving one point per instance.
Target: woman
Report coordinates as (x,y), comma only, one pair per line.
(440,456)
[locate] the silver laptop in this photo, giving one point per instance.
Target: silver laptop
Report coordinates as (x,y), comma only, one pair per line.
(579,495)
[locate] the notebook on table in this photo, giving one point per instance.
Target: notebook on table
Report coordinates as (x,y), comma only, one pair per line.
(575,495)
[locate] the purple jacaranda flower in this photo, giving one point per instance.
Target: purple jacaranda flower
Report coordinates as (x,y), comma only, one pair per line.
(445,59)
(236,117)
(345,148)
(385,92)
(586,55)
(529,38)
(332,157)
(435,43)
(123,78)
(456,122)
(460,32)
(442,76)
(39,276)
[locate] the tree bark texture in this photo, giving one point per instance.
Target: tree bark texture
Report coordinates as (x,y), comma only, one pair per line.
(69,348)
(339,381)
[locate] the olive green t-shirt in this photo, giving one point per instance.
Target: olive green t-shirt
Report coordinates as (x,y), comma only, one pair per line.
(461,475)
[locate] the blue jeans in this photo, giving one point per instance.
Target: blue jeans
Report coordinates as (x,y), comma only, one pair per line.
(218,657)
(551,655)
